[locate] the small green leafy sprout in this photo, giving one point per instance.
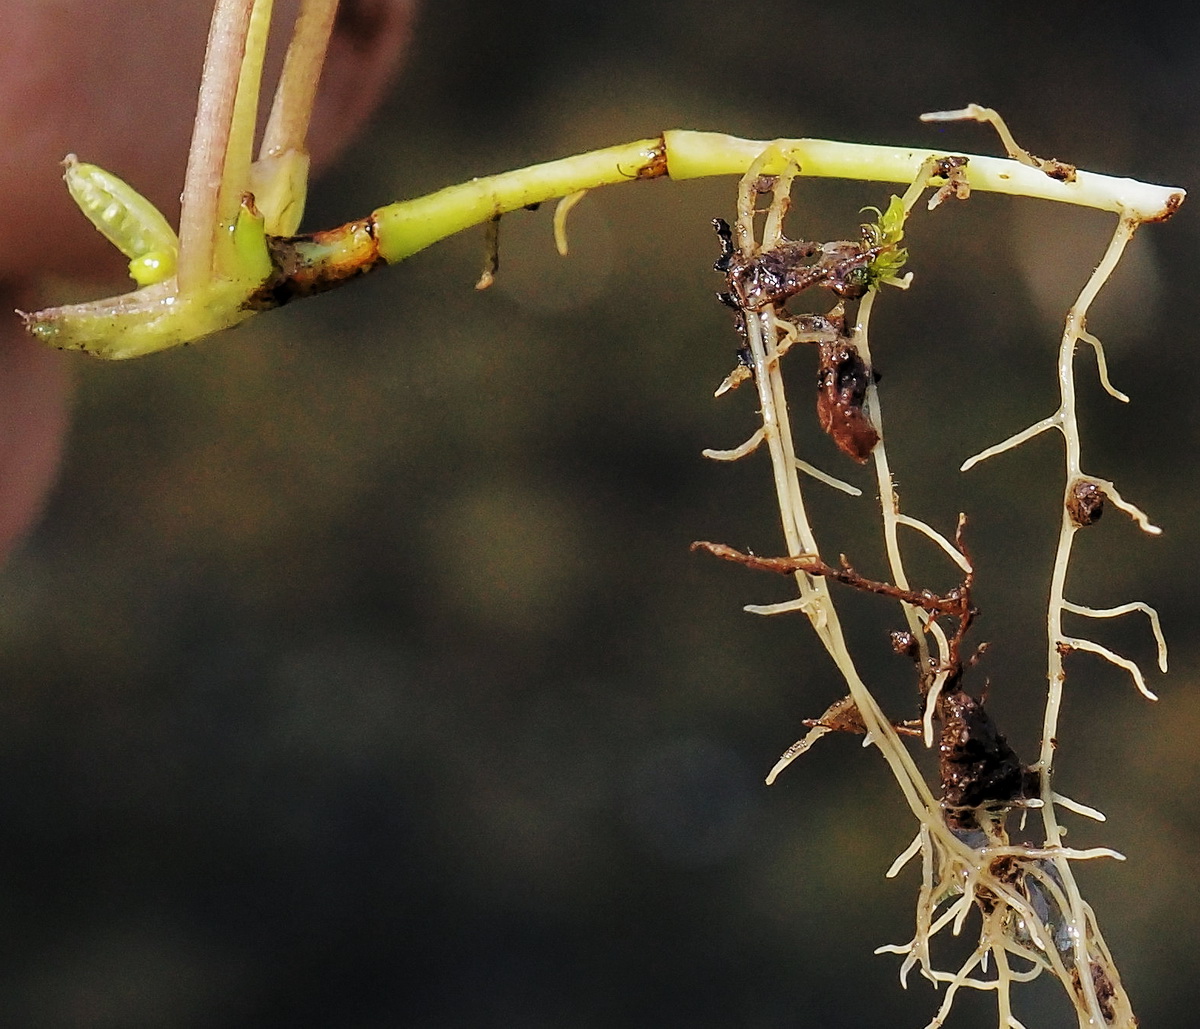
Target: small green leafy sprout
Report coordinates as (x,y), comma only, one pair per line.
(886,231)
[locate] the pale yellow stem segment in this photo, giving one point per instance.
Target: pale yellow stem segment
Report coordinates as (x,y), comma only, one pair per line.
(693,155)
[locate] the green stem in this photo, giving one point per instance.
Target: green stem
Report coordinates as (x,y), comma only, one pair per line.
(397,231)
(235,176)
(406,227)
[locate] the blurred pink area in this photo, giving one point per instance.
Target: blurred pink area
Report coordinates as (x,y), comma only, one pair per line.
(118,88)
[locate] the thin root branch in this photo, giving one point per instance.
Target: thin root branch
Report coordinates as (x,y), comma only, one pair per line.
(974,112)
(830,480)
(1124,609)
(561,210)
(923,527)
(1102,366)
(1139,680)
(1080,809)
(740,451)
(1053,422)
(1134,512)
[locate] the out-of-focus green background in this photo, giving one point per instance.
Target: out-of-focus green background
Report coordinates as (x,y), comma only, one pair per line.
(359,673)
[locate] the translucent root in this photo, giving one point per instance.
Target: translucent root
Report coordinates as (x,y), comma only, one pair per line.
(935,687)
(1049,853)
(1025,912)
(917,189)
(734,379)
(561,210)
(1080,809)
(909,852)
(1124,609)
(1102,367)
(738,452)
(828,722)
(748,196)
(781,201)
(782,608)
(931,699)
(791,334)
(1002,984)
(809,605)
(1053,422)
(825,477)
(955,554)
(1134,512)
(801,746)
(957,980)
(975,112)
(755,441)
(1139,680)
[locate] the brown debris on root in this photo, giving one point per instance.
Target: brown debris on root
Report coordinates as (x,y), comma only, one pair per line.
(977,768)
(774,275)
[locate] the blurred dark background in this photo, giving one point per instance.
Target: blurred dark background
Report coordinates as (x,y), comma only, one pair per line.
(359,674)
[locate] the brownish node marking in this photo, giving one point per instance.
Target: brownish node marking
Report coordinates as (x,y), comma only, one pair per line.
(656,167)
(311,264)
(1174,202)
(1057,169)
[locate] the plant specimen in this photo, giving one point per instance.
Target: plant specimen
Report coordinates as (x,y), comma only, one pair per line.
(1032,917)
(237,253)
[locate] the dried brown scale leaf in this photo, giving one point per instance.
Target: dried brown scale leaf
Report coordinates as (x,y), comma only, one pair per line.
(976,766)
(904,643)
(1085,502)
(843,716)
(1007,870)
(1057,169)
(784,270)
(1106,992)
(765,184)
(977,656)
(491,253)
(842,381)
